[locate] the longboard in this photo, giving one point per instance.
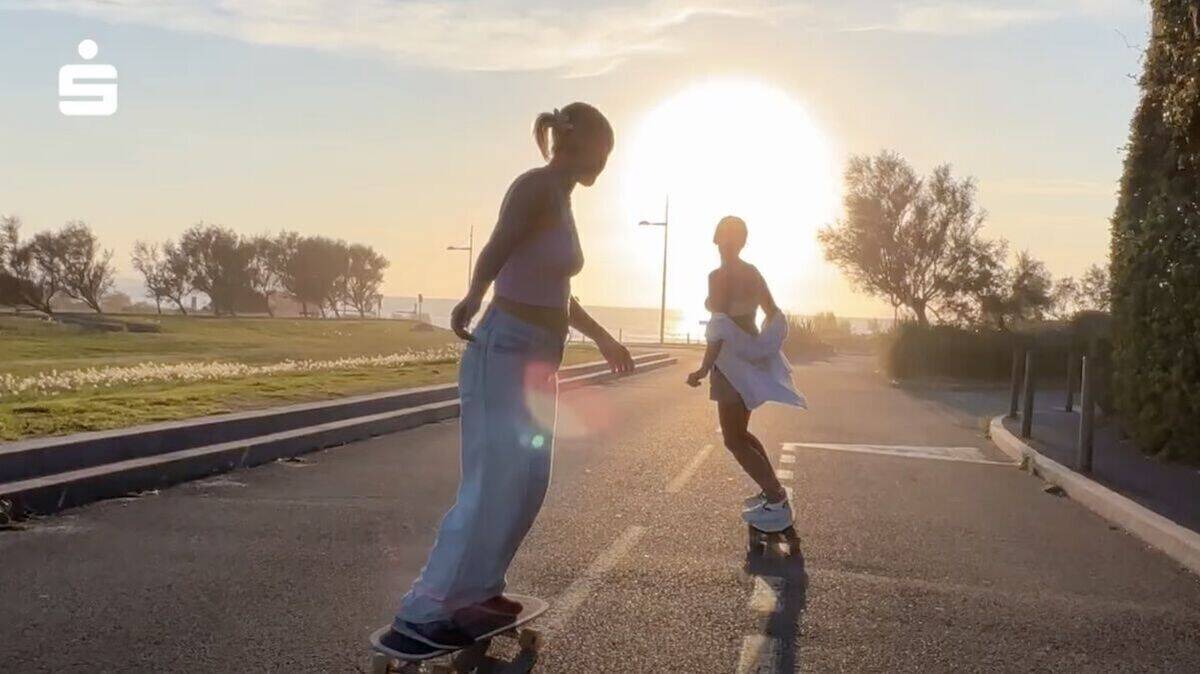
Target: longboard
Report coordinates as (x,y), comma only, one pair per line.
(410,654)
(759,539)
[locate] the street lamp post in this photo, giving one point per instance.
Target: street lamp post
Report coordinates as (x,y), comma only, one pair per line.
(470,248)
(662,312)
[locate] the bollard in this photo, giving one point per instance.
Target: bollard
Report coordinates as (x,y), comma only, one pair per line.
(1087,417)
(1072,375)
(1015,394)
(1027,403)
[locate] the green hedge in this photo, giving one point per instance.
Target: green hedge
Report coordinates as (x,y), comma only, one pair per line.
(946,351)
(1156,244)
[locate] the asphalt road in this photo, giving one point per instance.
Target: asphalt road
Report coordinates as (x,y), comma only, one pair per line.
(945,559)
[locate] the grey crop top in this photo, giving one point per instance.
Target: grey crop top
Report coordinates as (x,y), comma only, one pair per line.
(540,267)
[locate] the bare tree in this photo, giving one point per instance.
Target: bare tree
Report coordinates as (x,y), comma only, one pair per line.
(37,266)
(148,262)
(364,275)
(175,275)
(87,271)
(914,241)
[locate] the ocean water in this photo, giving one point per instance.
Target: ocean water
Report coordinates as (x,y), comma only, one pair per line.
(630,324)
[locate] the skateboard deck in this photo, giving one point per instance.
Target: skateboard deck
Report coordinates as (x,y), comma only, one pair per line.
(411,653)
(759,539)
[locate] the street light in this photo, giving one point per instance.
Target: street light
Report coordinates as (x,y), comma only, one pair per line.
(662,312)
(470,248)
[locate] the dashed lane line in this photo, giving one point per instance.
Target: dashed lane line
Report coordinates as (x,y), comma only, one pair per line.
(563,607)
(686,474)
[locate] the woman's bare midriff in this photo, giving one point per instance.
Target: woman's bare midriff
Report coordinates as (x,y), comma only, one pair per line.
(554,319)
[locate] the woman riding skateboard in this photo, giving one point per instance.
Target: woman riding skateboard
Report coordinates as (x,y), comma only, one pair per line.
(747,369)
(507,383)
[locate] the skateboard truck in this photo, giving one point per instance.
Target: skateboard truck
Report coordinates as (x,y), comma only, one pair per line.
(759,540)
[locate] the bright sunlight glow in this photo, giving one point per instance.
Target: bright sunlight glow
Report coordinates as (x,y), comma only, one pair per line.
(729,147)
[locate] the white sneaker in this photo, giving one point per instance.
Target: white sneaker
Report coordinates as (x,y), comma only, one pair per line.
(769,517)
(754,501)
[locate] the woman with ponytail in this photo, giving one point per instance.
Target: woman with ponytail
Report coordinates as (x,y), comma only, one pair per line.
(508,385)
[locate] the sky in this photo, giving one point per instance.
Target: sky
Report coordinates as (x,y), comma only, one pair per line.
(400,124)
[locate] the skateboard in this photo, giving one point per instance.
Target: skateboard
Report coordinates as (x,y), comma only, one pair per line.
(416,654)
(759,539)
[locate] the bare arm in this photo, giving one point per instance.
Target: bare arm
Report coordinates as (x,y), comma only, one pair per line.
(519,214)
(613,351)
(767,301)
(715,302)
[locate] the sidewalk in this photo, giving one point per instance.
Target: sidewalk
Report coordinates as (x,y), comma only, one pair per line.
(1169,489)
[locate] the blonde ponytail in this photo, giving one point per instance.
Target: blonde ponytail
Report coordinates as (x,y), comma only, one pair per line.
(541,133)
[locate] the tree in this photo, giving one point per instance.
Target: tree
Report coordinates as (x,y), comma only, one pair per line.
(219,262)
(1066,298)
(1031,289)
(1025,293)
(10,290)
(313,270)
(36,266)
(148,262)
(915,242)
(364,275)
(175,275)
(87,272)
(1156,244)
(1094,294)
(266,267)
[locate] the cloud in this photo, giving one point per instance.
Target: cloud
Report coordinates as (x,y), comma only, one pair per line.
(577,38)
(955,17)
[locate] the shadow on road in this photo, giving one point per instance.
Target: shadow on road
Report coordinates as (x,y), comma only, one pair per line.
(787,574)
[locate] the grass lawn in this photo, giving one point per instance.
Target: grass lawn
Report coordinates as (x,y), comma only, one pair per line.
(30,346)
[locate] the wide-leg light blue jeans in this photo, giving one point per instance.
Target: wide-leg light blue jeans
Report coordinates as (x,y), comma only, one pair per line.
(509,391)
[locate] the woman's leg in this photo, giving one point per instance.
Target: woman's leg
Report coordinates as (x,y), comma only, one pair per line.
(747,450)
(508,392)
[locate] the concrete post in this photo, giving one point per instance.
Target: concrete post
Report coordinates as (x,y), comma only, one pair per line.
(1087,417)
(1015,393)
(1027,403)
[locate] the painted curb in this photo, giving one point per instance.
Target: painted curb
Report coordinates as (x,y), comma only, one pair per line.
(54,492)
(1177,542)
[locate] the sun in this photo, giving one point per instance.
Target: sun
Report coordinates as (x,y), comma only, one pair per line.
(729,147)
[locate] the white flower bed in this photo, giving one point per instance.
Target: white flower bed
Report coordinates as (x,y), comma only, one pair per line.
(54,382)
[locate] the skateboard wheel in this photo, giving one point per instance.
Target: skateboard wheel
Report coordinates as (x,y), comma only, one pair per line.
(380,664)
(530,640)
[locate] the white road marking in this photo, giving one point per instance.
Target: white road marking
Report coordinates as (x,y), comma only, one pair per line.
(783,474)
(765,596)
(789,493)
(759,654)
(964,454)
(566,604)
(686,474)
(787,458)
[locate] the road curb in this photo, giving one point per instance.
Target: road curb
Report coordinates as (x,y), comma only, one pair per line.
(124,474)
(1177,542)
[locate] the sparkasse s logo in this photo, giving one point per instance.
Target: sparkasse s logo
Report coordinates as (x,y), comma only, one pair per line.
(87,89)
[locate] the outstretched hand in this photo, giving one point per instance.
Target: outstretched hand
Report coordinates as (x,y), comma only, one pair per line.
(619,360)
(460,317)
